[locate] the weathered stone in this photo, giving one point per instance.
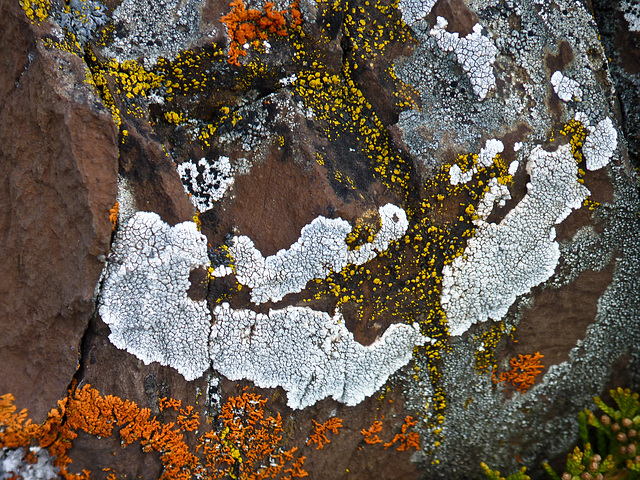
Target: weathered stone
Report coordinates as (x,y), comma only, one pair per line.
(59,157)
(451,116)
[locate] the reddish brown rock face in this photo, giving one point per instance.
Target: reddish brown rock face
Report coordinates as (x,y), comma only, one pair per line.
(58,153)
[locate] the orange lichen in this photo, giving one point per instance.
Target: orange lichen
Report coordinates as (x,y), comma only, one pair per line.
(166,403)
(188,419)
(371,434)
(113,215)
(319,436)
(246,442)
(523,373)
(406,440)
(246,25)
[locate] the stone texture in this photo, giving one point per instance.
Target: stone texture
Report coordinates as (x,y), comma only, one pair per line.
(298,153)
(59,157)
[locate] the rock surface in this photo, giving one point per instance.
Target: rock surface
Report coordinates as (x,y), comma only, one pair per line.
(59,156)
(254,125)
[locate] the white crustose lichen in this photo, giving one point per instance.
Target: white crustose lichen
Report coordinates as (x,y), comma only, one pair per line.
(320,249)
(144,294)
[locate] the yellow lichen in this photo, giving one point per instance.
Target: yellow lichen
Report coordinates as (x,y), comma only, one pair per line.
(36,10)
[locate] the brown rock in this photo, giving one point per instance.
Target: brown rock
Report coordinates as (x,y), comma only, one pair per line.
(127,377)
(59,160)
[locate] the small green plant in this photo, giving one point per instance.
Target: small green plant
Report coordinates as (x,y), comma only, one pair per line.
(610,444)
(615,437)
(495,474)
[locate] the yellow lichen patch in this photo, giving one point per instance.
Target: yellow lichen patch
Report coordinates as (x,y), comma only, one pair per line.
(197,221)
(36,10)
(68,43)
(365,230)
(576,133)
(99,80)
(342,110)
(191,72)
(486,352)
(338,102)
(174,118)
(224,115)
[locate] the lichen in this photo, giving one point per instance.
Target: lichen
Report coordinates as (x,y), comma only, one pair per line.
(245,26)
(154,30)
(206,182)
(36,10)
(320,250)
(600,144)
(144,295)
(475,52)
(507,259)
(566,88)
(319,435)
(245,443)
(414,11)
(524,371)
(309,353)
(83,18)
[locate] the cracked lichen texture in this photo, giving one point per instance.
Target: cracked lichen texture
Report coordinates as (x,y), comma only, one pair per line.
(475,52)
(479,418)
(206,182)
(507,259)
(321,249)
(309,353)
(161,28)
(415,10)
(600,144)
(566,88)
(12,465)
(144,295)
(452,116)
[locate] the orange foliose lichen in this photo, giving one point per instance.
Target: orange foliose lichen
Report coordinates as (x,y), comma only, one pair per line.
(406,439)
(245,444)
(113,215)
(371,434)
(319,436)
(246,25)
(248,442)
(523,373)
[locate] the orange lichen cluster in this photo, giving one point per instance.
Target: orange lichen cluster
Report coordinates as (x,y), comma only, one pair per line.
(113,215)
(371,434)
(319,436)
(17,431)
(406,440)
(246,25)
(245,444)
(523,373)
